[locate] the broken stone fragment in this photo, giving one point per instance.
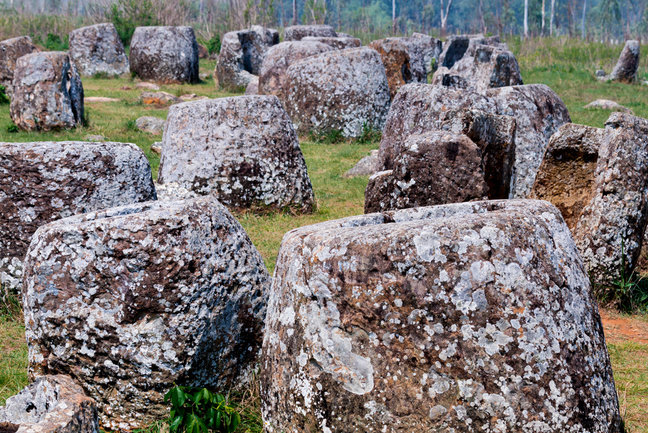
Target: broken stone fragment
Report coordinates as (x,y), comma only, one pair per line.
(297,33)
(241,55)
(134,299)
(434,319)
(50,404)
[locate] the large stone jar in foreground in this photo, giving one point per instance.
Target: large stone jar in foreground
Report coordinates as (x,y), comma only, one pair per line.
(131,300)
(469,317)
(47,92)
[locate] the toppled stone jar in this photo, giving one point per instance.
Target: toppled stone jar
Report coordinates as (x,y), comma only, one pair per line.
(466,317)
(131,300)
(50,404)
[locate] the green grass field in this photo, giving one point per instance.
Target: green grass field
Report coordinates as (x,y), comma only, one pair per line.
(566,66)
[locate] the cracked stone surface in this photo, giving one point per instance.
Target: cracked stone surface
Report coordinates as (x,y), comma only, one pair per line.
(130,300)
(597,178)
(50,404)
(165,54)
(339,43)
(422,50)
(297,33)
(98,49)
(470,158)
(396,59)
(243,149)
(273,79)
(472,317)
(10,51)
(345,90)
(47,92)
(241,56)
(538,112)
(45,181)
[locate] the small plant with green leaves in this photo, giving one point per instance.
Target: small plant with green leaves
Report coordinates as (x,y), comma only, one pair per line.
(332,136)
(198,410)
(214,45)
(4,99)
(369,134)
(628,293)
(131,125)
(12,129)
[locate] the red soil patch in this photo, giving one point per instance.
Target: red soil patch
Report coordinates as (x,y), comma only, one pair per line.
(620,329)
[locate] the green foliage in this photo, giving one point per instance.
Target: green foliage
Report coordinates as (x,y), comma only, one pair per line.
(332,136)
(55,43)
(12,128)
(4,99)
(9,305)
(369,135)
(131,125)
(198,410)
(628,293)
(214,44)
(126,15)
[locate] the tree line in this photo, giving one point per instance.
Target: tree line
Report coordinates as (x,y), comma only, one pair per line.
(590,19)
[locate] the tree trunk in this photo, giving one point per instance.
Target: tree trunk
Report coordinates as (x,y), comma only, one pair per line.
(481,17)
(542,29)
(526,19)
(551,17)
(294,20)
(394,17)
(583,35)
(444,17)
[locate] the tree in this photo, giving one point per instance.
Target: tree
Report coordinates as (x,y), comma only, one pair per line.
(294,20)
(583,35)
(444,17)
(526,19)
(394,17)
(542,29)
(551,17)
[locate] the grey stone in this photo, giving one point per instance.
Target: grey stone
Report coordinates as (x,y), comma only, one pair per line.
(47,92)
(241,56)
(423,51)
(10,51)
(273,79)
(165,54)
(132,300)
(366,166)
(98,49)
(297,33)
(482,66)
(252,87)
(242,149)
(606,104)
(466,317)
(150,124)
(343,90)
(612,224)
(173,192)
(339,43)
(628,63)
(538,113)
(50,404)
(45,181)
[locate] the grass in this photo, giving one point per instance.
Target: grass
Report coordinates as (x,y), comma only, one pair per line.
(566,66)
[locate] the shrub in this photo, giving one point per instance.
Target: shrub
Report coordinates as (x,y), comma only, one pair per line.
(55,43)
(369,135)
(214,45)
(198,410)
(126,15)
(12,128)
(4,99)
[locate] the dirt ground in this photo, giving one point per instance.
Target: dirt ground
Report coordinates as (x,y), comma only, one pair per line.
(621,328)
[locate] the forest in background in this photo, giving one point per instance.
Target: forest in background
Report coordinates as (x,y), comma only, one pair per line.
(599,20)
